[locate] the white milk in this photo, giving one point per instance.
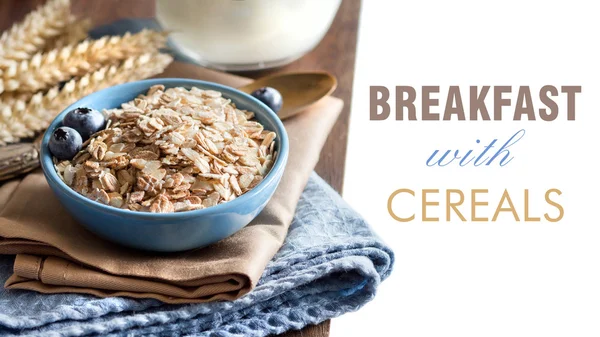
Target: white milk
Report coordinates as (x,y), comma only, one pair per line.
(246,34)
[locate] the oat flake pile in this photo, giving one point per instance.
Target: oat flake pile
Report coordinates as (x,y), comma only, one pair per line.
(172,150)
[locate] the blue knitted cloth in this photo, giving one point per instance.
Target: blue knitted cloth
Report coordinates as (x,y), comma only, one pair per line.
(331,263)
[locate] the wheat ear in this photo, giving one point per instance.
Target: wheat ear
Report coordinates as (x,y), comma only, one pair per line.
(28,37)
(23,119)
(48,69)
(76,32)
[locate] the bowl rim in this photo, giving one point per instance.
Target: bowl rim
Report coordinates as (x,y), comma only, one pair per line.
(230,92)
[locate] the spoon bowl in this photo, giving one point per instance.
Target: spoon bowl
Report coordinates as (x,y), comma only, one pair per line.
(299,90)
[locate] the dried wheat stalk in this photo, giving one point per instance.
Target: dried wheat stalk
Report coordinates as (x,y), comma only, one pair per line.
(21,119)
(46,70)
(77,32)
(31,35)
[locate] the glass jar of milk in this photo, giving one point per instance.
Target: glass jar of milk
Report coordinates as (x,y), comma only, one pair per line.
(245,34)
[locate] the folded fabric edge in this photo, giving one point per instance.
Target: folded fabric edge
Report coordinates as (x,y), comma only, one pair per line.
(30,274)
(376,261)
(20,283)
(381,257)
(290,309)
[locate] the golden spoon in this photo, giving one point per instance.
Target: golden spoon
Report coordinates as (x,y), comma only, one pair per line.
(299,91)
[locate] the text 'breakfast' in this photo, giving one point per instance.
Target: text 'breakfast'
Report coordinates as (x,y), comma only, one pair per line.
(476,106)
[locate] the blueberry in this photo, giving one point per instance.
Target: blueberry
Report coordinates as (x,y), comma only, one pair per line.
(86,121)
(65,143)
(270,96)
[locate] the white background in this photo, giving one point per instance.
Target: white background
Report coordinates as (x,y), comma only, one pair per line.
(480,279)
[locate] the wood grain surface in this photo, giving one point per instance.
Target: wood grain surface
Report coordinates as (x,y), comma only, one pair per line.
(335,54)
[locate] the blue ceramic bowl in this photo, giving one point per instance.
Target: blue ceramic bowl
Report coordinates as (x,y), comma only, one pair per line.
(172,231)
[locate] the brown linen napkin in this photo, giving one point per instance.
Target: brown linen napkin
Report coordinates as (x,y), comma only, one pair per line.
(55,254)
